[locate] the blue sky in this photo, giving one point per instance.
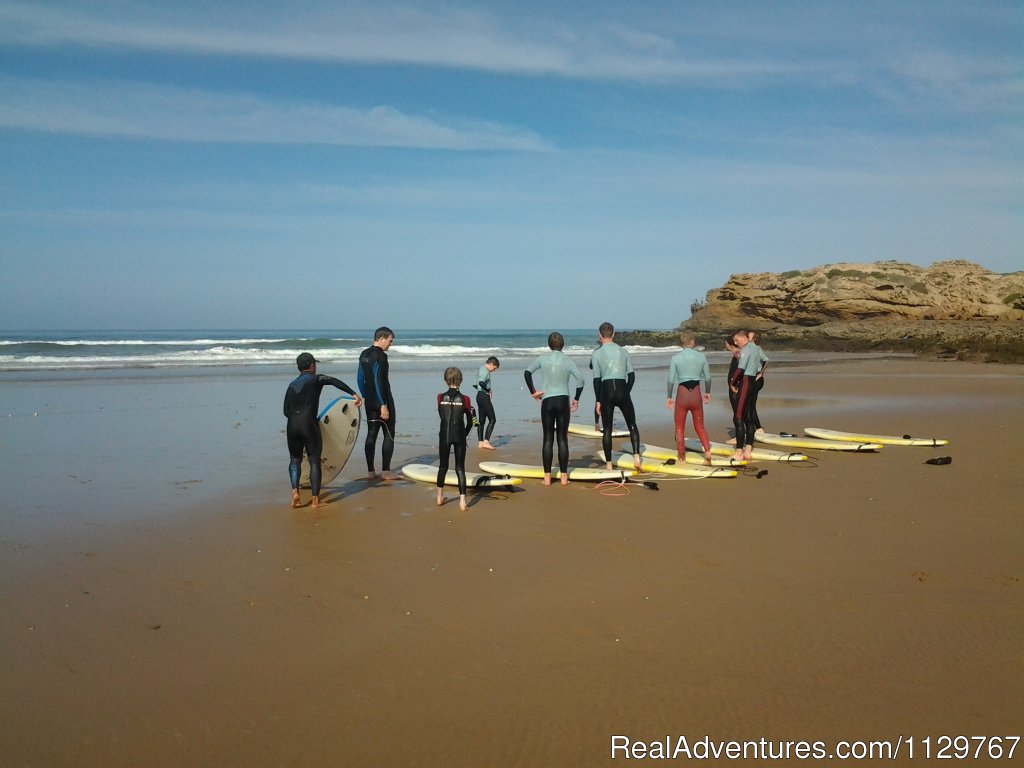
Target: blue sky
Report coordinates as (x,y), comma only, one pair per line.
(326,164)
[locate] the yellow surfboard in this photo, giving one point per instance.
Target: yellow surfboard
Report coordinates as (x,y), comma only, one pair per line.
(585,430)
(658,453)
(833,434)
(426,473)
(759,454)
(537,472)
(681,470)
(817,444)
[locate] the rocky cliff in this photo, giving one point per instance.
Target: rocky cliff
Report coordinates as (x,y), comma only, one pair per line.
(951,309)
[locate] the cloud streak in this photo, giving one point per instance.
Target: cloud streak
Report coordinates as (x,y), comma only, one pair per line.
(448,37)
(819,45)
(128,110)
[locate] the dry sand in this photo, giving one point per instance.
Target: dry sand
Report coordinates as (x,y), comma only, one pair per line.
(867,597)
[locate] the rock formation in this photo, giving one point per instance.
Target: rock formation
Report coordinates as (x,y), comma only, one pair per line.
(952,309)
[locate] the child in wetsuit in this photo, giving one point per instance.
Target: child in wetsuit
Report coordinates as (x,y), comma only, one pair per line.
(457,419)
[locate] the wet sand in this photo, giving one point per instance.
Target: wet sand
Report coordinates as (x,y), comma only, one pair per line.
(866,597)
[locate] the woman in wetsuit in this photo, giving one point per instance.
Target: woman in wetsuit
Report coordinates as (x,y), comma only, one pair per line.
(301,405)
(456,414)
(556,368)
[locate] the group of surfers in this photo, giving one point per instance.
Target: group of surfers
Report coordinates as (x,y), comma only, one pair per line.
(688,390)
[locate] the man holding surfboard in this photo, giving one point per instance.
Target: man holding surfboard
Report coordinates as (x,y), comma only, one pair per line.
(301,404)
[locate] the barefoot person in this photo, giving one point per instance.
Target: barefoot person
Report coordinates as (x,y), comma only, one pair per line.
(744,383)
(613,378)
(733,362)
(380,403)
(556,369)
(755,338)
(484,395)
(456,414)
(301,405)
(688,374)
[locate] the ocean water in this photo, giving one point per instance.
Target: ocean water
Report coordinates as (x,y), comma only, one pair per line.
(136,351)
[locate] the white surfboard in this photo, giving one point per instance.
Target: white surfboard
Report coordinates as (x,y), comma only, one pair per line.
(682,470)
(426,473)
(833,434)
(585,430)
(536,471)
(339,427)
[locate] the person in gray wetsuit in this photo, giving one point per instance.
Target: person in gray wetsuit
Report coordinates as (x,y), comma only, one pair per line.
(614,378)
(557,368)
(484,396)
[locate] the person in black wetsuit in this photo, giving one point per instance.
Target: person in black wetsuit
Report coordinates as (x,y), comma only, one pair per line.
(380,403)
(457,419)
(301,404)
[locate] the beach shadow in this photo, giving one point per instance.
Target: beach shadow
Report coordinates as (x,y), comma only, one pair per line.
(350,488)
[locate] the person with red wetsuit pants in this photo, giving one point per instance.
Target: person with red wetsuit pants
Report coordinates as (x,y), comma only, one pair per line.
(688,374)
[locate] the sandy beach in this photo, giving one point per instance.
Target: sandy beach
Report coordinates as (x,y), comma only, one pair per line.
(162,606)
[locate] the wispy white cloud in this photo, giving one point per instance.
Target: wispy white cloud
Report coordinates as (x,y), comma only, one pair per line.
(898,53)
(130,110)
(446,36)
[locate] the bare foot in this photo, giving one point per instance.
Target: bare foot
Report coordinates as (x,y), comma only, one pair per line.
(371,475)
(547,478)
(486,445)
(296,501)
(462,503)
(440,497)
(565,479)
(609,466)
(387,474)
(748,453)
(737,456)
(638,462)
(316,502)
(707,458)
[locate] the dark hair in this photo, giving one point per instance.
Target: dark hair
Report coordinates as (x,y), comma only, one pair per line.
(383,333)
(493,361)
(452,376)
(607,330)
(555,340)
